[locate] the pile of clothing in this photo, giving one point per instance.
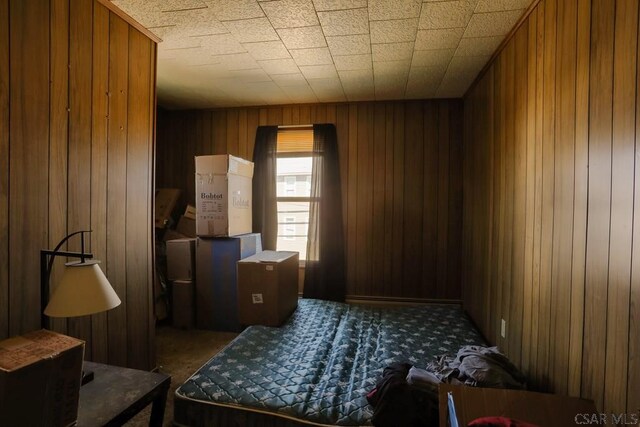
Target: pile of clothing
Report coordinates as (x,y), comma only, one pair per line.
(408,396)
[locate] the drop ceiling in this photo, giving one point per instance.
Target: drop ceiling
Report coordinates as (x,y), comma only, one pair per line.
(223,53)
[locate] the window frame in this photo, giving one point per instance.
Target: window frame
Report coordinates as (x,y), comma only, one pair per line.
(295,154)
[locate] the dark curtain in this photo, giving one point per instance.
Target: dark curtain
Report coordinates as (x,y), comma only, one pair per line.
(265,209)
(324,275)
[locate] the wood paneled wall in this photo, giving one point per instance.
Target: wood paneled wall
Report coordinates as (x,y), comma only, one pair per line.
(77,109)
(401,183)
(552,200)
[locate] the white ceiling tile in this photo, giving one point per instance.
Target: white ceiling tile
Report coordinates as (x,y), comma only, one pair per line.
(279,66)
(363,77)
(237,61)
(392,51)
(256,75)
(390,86)
(294,79)
(290,13)
(267,50)
(220,44)
(252,30)
(183,43)
(328,90)
(498,5)
(338,4)
(395,69)
(137,5)
(358,85)
(467,67)
(432,58)
(452,86)
(447,38)
(399,30)
(319,71)
(424,81)
(300,93)
(344,22)
(448,14)
(398,9)
(492,24)
(353,62)
(169,5)
(302,38)
(180,17)
(349,45)
(230,10)
(315,56)
(478,46)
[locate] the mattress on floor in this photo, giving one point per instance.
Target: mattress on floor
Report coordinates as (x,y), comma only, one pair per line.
(319,366)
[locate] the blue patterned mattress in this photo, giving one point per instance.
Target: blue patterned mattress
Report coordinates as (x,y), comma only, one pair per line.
(319,366)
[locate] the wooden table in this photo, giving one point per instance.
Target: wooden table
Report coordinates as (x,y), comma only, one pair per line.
(545,410)
(117,394)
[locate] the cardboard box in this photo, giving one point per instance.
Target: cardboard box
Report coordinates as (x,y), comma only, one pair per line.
(170,234)
(166,200)
(190,212)
(267,288)
(216,279)
(181,259)
(183,304)
(548,410)
(40,374)
(223,195)
(186,226)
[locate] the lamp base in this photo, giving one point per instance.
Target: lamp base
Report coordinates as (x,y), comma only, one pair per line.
(87,376)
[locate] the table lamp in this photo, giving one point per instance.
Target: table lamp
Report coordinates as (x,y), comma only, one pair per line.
(83,288)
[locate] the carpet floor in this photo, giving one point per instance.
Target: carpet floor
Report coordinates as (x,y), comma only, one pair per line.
(180,353)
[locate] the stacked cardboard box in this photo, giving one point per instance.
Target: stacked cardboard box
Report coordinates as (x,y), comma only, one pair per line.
(223,196)
(267,287)
(181,271)
(216,279)
(40,375)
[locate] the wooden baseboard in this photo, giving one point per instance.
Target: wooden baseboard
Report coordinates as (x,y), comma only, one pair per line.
(374,300)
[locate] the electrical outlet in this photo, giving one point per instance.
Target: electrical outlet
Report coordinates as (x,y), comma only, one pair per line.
(503,328)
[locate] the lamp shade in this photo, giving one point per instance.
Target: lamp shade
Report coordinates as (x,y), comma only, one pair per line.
(83,290)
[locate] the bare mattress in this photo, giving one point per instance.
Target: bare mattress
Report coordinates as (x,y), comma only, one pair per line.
(319,366)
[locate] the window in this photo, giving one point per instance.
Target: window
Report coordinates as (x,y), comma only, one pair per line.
(293,179)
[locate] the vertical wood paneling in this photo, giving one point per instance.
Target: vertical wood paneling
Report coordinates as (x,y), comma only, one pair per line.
(99,138)
(622,182)
(430,215)
(58,136)
(28,157)
(580,197)
(441,196)
(64,83)
(117,184)
(378,253)
(79,185)
(563,194)
(599,205)
(413,192)
(402,191)
(137,200)
(576,123)
(398,199)
(514,334)
(4,168)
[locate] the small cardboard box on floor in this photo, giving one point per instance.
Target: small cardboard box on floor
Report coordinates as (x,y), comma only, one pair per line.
(223,195)
(267,288)
(181,259)
(40,374)
(216,279)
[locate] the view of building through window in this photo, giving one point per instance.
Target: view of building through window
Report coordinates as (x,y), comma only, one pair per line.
(293,187)
(293,183)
